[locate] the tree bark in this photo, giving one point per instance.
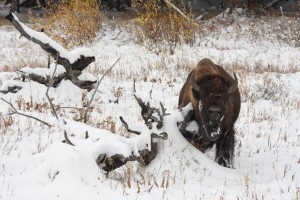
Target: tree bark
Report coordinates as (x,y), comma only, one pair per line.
(15,6)
(73,70)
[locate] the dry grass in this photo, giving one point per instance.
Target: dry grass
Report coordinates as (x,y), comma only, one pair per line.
(266,86)
(4,21)
(22,61)
(72,23)
(162,28)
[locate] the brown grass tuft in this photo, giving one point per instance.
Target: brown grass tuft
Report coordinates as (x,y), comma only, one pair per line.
(161,27)
(70,22)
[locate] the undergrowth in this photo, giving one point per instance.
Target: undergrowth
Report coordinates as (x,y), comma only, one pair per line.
(160,27)
(70,22)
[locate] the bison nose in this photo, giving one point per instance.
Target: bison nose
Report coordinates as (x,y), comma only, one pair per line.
(215,113)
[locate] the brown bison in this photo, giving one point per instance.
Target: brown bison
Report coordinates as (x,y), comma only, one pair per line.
(216,103)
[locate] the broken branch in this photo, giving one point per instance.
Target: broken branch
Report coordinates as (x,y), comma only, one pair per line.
(50,84)
(15,111)
(51,46)
(127,127)
(110,163)
(86,116)
(180,12)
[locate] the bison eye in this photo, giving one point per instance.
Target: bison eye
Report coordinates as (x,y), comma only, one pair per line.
(196,94)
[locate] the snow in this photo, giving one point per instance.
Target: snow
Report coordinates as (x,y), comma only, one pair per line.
(84,76)
(72,56)
(35,164)
(9,83)
(193,127)
(44,72)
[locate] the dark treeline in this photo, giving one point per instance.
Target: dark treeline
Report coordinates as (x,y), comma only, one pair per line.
(253,6)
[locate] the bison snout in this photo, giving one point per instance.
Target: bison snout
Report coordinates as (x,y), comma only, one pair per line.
(214,113)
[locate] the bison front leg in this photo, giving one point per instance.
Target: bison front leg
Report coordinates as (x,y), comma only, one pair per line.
(225,149)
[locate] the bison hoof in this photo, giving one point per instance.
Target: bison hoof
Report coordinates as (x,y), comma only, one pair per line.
(225,163)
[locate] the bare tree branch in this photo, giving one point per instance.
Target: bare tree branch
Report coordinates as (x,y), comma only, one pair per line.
(184,124)
(80,64)
(127,127)
(180,12)
(86,116)
(11,89)
(110,163)
(50,84)
(63,57)
(271,4)
(144,156)
(15,111)
(148,113)
(67,141)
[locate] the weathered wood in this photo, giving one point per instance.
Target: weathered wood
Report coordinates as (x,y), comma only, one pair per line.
(15,6)
(127,127)
(11,89)
(7,2)
(270,4)
(73,70)
(110,163)
(180,12)
(113,162)
(80,64)
(86,115)
(148,112)
(15,111)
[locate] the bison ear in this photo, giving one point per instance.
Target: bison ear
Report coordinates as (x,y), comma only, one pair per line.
(234,85)
(193,82)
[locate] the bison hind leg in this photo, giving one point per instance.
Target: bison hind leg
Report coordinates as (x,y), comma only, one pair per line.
(225,149)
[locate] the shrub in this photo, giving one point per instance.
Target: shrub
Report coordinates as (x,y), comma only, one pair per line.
(161,27)
(71,22)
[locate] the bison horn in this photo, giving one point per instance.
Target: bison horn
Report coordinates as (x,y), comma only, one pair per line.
(234,85)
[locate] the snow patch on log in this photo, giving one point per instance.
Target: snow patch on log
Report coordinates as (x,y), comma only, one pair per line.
(85,76)
(71,56)
(44,72)
(12,86)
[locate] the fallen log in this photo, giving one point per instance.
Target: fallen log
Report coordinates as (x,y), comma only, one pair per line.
(73,61)
(143,147)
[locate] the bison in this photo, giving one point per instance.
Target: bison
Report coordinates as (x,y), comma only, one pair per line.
(216,103)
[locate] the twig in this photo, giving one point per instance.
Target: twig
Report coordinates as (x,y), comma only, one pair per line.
(147,113)
(127,128)
(67,141)
(200,17)
(90,101)
(15,111)
(180,12)
(48,64)
(68,107)
(50,84)
(270,4)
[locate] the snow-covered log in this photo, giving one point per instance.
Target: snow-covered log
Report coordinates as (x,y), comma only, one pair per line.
(13,88)
(43,75)
(113,152)
(73,61)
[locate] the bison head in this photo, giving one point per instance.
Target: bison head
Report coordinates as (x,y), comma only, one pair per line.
(209,98)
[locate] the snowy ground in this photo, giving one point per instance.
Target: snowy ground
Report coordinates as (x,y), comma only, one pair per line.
(35,164)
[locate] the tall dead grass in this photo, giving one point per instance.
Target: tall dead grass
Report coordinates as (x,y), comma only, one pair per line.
(160,27)
(70,22)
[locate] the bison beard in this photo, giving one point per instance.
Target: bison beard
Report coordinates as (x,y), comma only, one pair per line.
(215,99)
